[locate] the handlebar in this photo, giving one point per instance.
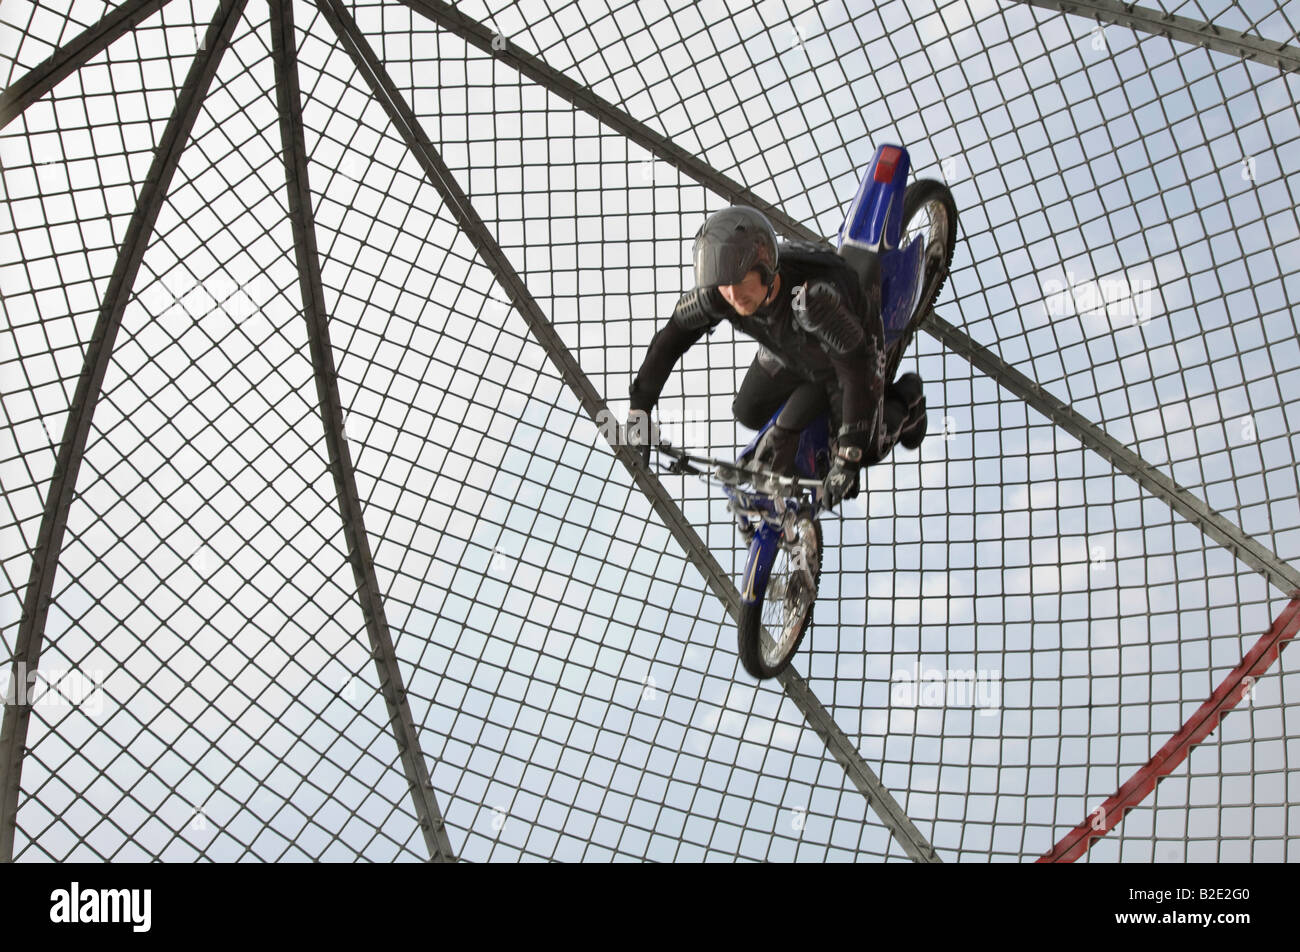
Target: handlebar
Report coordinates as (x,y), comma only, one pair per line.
(730,473)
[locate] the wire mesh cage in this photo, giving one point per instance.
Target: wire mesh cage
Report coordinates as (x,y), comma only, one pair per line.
(315,547)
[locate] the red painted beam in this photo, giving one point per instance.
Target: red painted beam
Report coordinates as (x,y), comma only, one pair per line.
(1235,687)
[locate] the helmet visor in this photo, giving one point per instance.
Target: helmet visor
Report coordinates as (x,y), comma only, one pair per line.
(723,264)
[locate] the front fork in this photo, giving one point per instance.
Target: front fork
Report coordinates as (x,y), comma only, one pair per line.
(758,565)
(762,554)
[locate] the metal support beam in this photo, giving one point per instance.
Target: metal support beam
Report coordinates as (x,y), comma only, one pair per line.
(536,69)
(1183,29)
(99,351)
(68,59)
(1183,502)
(284,50)
(408,126)
(877,795)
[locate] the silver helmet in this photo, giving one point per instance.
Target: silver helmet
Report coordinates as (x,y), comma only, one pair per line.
(732,242)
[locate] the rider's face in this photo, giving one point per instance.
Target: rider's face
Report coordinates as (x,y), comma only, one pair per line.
(747,296)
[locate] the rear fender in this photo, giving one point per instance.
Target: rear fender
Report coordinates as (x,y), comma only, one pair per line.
(875,218)
(900,286)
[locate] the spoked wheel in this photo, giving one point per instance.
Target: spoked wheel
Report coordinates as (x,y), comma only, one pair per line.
(785,608)
(928,211)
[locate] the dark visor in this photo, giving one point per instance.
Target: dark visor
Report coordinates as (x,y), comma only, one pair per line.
(721,265)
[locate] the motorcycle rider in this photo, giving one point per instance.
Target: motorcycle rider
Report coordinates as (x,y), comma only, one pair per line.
(822,348)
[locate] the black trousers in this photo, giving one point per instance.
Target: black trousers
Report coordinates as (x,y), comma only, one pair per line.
(762,392)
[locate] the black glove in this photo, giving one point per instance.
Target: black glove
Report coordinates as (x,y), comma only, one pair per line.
(841,482)
(640,432)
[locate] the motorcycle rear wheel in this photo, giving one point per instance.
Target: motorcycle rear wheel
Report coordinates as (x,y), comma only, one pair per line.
(928,209)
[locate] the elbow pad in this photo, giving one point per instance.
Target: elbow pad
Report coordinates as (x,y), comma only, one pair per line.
(700,309)
(826,316)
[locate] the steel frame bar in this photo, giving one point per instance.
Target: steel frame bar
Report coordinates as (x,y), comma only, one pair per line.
(406,123)
(99,351)
(1183,29)
(556,82)
(391,686)
(1183,502)
(66,60)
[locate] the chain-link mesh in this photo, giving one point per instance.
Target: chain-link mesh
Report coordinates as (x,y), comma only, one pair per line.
(31,32)
(1007,627)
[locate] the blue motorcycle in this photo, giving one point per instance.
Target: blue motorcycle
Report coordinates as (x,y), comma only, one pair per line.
(901,236)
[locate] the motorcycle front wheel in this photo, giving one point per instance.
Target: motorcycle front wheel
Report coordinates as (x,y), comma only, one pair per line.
(784,607)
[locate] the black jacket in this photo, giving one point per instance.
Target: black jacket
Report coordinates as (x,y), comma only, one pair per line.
(819,327)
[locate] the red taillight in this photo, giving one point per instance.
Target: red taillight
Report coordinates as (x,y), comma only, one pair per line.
(888,162)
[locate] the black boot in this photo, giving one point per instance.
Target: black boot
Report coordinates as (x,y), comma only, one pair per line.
(776,452)
(907,390)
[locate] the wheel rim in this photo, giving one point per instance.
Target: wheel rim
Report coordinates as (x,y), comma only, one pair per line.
(790,595)
(931,221)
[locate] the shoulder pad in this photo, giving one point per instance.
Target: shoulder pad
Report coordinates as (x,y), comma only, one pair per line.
(699,309)
(808,252)
(803,245)
(825,316)
(823,261)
